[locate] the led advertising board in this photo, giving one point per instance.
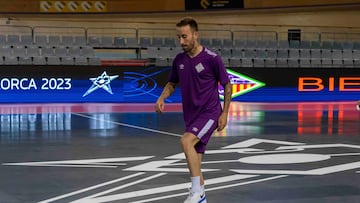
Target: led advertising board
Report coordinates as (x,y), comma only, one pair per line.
(65,84)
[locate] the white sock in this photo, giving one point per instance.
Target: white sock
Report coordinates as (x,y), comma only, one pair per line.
(202,189)
(195,184)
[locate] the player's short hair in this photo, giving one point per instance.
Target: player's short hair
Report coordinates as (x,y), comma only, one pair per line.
(188,21)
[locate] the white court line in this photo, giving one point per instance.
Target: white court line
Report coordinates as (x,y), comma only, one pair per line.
(212,189)
(345,154)
(91,188)
(90,198)
(168,188)
(130,126)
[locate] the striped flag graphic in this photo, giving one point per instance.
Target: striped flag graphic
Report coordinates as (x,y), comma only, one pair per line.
(241,84)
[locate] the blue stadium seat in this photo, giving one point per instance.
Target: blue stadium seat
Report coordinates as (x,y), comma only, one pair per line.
(145,42)
(169,42)
(283,44)
(216,43)
(119,42)
(26,40)
(67,40)
(305,44)
(2,39)
(79,40)
(327,45)
(157,42)
(205,42)
(107,41)
(94,41)
(228,43)
(132,42)
(54,40)
(13,39)
(41,40)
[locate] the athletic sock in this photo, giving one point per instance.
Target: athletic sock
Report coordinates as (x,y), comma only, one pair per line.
(202,189)
(195,184)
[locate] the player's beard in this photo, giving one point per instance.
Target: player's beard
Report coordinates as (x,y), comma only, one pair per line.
(188,47)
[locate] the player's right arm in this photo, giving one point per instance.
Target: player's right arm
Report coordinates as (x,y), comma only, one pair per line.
(168,90)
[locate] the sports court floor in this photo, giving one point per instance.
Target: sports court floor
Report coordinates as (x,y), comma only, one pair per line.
(92,153)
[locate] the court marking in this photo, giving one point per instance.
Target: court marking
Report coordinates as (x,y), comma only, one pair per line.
(91,197)
(129,125)
(92,187)
(164,189)
(213,188)
(160,166)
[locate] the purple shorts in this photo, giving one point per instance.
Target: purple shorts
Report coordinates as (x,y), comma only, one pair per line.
(203,128)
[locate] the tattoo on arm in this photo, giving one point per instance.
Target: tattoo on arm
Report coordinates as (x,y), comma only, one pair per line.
(227,97)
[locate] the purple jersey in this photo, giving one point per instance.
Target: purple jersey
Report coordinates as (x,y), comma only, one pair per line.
(199,78)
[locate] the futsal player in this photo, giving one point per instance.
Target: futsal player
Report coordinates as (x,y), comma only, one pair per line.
(199,71)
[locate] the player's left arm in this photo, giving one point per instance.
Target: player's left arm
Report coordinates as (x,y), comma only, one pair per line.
(227,99)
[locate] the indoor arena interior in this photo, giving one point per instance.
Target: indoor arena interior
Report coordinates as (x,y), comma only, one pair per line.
(80,82)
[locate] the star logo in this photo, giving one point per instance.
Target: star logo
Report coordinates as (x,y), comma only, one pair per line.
(102,81)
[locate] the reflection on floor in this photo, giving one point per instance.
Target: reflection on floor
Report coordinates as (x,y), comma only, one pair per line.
(269,152)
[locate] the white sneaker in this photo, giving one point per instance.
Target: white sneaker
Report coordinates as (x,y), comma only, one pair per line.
(195,197)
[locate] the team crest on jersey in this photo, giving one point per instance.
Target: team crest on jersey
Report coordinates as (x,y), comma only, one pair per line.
(241,84)
(199,67)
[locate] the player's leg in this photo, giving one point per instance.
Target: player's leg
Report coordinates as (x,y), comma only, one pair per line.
(201,175)
(188,142)
(202,129)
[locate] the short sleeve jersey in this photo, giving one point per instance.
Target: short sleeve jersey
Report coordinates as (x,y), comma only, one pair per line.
(199,78)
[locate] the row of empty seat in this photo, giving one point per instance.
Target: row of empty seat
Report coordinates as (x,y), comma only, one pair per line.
(50,60)
(249,57)
(276,62)
(34,50)
(80,40)
(53,49)
(144,42)
(42,40)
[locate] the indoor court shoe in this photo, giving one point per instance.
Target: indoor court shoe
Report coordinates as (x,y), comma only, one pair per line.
(195,197)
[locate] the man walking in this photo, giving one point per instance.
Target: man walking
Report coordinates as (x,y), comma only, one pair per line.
(199,72)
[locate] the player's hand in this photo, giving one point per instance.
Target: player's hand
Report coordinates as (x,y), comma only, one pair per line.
(222,121)
(159,106)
